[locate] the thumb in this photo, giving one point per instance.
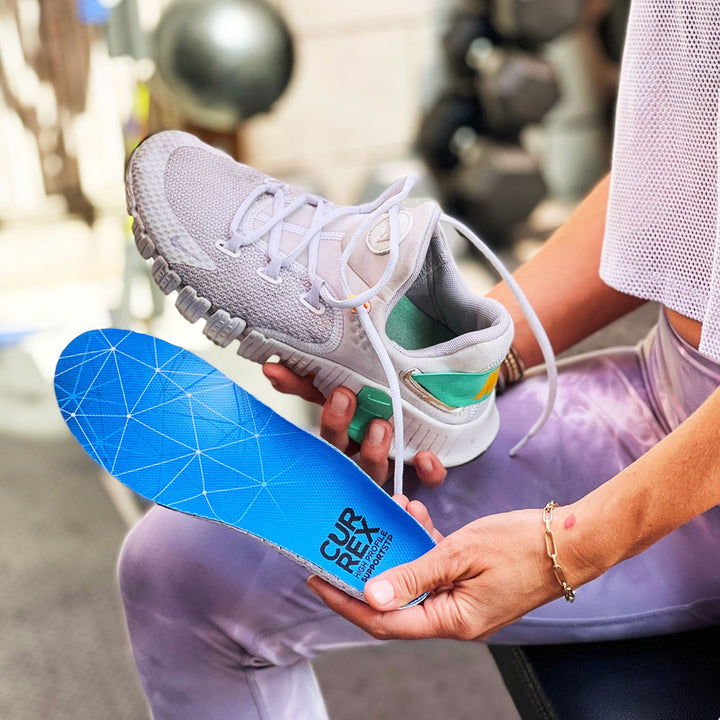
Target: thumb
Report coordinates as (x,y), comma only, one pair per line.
(402,584)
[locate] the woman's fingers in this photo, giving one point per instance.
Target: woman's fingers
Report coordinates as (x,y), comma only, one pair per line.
(337,412)
(480,578)
(402,500)
(374,450)
(420,513)
(336,415)
(430,470)
(286,381)
(414,622)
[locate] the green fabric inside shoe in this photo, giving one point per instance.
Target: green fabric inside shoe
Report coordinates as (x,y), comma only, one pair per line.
(413,329)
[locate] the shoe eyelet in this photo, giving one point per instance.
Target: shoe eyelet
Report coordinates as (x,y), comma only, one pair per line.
(315,310)
(273,281)
(220,245)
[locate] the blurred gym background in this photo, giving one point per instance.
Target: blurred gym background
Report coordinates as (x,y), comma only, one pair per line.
(502,108)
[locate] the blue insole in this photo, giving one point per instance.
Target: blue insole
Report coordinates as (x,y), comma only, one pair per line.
(180,433)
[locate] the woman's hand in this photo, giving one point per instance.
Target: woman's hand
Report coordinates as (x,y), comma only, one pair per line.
(337,413)
(482,577)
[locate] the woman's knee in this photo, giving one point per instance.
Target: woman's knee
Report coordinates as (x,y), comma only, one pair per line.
(177,572)
(177,564)
(160,565)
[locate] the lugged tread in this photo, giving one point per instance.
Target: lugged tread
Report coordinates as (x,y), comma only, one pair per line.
(167,280)
(145,246)
(191,306)
(222,329)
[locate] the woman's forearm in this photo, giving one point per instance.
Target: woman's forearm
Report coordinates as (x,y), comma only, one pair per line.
(678,479)
(563,284)
(673,482)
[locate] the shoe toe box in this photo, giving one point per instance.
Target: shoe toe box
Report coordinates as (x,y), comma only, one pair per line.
(181,188)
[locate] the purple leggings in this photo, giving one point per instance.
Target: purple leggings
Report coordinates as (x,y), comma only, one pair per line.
(223,627)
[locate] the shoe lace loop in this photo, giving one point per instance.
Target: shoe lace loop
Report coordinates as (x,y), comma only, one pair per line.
(325,214)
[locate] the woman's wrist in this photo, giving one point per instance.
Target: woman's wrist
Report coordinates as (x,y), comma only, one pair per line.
(582,545)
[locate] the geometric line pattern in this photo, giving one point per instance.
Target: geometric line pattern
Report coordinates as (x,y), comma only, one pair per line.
(178,432)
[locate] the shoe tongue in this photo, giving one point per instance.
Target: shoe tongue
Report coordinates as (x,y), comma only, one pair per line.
(371,254)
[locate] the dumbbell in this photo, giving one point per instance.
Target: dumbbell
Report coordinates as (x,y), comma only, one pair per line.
(534,21)
(515,88)
(512,89)
(453,110)
(465,26)
(494,186)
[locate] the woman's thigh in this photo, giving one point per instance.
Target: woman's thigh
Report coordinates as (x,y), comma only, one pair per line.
(206,590)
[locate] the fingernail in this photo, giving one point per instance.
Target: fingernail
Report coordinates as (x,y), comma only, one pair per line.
(312,583)
(339,403)
(273,382)
(425,465)
(375,434)
(381,591)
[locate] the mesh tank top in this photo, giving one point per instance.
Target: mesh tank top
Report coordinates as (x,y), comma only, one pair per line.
(662,239)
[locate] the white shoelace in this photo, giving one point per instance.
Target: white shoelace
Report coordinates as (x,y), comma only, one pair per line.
(389,203)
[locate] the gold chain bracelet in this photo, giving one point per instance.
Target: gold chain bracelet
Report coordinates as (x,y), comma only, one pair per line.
(551,548)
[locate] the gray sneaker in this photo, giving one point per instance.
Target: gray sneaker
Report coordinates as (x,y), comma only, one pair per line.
(366,296)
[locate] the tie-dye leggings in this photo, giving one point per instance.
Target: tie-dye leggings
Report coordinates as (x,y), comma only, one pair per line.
(222,627)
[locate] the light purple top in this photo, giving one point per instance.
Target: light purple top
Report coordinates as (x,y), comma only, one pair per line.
(661,237)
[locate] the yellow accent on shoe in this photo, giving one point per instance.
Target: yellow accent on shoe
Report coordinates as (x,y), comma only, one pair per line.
(489,385)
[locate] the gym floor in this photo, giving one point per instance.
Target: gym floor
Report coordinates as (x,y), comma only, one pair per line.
(65,653)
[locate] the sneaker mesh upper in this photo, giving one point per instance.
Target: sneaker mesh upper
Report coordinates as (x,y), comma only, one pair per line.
(204,191)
